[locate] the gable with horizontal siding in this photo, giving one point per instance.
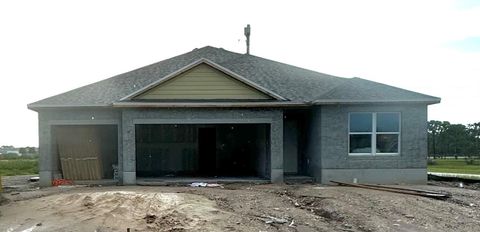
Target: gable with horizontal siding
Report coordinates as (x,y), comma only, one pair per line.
(203,82)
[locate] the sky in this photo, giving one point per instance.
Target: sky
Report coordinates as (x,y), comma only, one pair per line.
(49,47)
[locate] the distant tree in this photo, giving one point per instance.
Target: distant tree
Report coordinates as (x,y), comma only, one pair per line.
(4,149)
(458,140)
(445,139)
(474,134)
(442,144)
(434,128)
(22,151)
(7,147)
(31,150)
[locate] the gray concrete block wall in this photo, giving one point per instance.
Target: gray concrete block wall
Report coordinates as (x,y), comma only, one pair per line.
(328,146)
(46,163)
(128,150)
(376,175)
(327,150)
(334,140)
(130,117)
(313,149)
(262,162)
(124,119)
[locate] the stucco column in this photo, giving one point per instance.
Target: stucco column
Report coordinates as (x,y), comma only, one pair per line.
(45,161)
(120,152)
(276,150)
(129,175)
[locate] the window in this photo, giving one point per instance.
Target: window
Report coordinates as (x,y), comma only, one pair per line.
(374,133)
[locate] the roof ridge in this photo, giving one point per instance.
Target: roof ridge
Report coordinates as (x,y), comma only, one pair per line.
(162,61)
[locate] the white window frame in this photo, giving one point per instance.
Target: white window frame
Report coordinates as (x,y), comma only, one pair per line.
(374,133)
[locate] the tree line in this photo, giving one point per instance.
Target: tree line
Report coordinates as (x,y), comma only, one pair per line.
(446,139)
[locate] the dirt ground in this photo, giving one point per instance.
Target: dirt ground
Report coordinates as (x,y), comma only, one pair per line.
(238,207)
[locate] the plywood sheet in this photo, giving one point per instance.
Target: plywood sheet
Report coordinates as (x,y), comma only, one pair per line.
(79,151)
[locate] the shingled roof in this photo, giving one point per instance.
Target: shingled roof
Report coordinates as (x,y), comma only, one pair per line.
(295,84)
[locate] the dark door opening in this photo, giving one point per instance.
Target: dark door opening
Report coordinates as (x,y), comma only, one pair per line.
(207,151)
(295,129)
(214,150)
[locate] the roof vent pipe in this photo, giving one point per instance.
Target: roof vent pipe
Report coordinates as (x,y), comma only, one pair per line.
(246,31)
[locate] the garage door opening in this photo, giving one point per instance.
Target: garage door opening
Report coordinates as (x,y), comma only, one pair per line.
(205,150)
(86,152)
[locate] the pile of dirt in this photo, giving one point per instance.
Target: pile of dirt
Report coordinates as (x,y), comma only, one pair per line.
(3,200)
(112,211)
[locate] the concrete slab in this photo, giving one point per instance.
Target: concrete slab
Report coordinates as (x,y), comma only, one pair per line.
(162,181)
(455,175)
(276,175)
(129,178)
(297,179)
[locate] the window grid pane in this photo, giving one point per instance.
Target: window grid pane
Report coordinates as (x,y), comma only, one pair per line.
(383,135)
(388,122)
(361,122)
(387,143)
(361,143)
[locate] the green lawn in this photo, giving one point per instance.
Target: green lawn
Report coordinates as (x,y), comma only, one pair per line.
(12,167)
(454,166)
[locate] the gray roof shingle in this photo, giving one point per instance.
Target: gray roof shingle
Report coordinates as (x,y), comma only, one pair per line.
(293,83)
(360,90)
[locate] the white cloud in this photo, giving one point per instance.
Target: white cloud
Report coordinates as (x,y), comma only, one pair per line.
(49,47)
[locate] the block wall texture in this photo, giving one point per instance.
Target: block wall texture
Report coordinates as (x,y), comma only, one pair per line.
(328,145)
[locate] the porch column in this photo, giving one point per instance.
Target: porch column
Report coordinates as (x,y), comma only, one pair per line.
(276,149)
(48,159)
(128,150)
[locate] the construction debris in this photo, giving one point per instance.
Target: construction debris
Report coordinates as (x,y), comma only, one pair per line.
(416,192)
(150,218)
(291,224)
(203,184)
(270,220)
(60,182)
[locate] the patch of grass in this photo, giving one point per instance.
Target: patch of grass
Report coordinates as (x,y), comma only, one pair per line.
(17,157)
(454,166)
(15,167)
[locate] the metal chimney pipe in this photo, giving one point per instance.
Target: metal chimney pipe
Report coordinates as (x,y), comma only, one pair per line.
(246,31)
